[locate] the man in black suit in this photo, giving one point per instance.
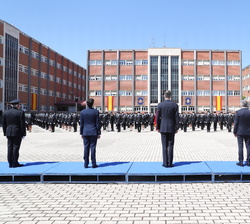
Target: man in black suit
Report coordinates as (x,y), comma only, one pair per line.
(167,125)
(242,132)
(14,129)
(90,130)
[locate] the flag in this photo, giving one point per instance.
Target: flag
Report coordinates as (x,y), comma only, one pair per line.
(110,103)
(34,101)
(218,103)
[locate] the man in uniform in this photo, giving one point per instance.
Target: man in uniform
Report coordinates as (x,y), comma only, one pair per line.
(14,129)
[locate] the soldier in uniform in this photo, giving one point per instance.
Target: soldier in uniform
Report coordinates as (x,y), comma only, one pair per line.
(208,120)
(185,121)
(229,121)
(151,121)
(215,120)
(193,119)
(221,120)
(138,121)
(112,120)
(118,121)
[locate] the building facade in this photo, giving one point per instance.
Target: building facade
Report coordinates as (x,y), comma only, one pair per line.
(134,80)
(36,74)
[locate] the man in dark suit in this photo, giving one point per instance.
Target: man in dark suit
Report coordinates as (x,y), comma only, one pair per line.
(242,132)
(167,125)
(14,129)
(90,130)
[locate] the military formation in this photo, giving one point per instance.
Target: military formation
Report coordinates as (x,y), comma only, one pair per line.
(139,121)
(206,120)
(48,121)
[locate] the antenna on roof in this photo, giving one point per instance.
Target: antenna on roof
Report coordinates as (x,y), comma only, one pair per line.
(152,43)
(164,42)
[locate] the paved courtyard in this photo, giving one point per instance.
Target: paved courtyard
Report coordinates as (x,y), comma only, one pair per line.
(125,203)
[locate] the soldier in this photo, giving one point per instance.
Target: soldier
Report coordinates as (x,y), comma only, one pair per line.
(112,120)
(202,121)
(185,121)
(151,121)
(221,120)
(208,120)
(229,122)
(138,121)
(75,120)
(181,121)
(193,119)
(130,121)
(215,120)
(118,121)
(52,122)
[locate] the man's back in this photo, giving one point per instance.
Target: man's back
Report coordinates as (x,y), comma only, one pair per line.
(167,117)
(89,122)
(13,123)
(242,122)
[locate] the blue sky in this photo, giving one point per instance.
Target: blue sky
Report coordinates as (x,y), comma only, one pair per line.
(72,27)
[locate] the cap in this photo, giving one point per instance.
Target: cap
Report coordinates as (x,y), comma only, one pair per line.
(16,101)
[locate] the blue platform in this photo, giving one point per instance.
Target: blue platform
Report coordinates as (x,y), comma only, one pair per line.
(124,172)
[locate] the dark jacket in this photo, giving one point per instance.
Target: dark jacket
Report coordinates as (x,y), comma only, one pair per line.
(90,122)
(14,123)
(242,122)
(167,117)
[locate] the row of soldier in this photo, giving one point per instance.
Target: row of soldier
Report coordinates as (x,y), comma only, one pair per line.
(205,120)
(49,121)
(123,120)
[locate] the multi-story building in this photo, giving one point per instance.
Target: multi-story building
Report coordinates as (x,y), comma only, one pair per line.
(134,80)
(246,83)
(39,76)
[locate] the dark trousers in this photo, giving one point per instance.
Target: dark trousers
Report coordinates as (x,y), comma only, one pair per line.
(241,139)
(13,150)
(139,127)
(215,126)
(167,141)
(89,146)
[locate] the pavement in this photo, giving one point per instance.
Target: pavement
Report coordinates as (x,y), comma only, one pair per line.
(124,203)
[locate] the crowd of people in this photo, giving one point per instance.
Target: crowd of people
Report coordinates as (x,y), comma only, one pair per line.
(118,121)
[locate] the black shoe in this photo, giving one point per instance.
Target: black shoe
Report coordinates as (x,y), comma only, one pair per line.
(164,166)
(17,165)
(240,164)
(170,165)
(95,166)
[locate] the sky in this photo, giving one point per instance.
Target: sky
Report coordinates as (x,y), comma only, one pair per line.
(71,27)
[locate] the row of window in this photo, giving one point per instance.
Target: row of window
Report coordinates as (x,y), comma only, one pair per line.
(114,77)
(44,75)
(214,77)
(208,62)
(120,62)
(1,39)
(44,59)
(246,77)
(24,88)
(208,93)
(121,93)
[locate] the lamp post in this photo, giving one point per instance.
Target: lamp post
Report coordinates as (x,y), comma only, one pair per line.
(76,100)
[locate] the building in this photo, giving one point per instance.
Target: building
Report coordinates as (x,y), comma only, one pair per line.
(134,80)
(246,83)
(44,80)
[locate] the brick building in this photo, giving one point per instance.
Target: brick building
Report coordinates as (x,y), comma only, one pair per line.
(44,80)
(134,80)
(246,83)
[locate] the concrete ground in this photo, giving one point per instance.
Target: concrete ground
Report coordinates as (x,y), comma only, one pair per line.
(125,203)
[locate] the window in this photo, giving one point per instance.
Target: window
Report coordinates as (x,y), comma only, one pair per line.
(144,77)
(129,62)
(236,93)
(113,62)
(187,62)
(122,62)
(1,39)
(107,62)
(98,93)
(218,62)
(233,62)
(1,61)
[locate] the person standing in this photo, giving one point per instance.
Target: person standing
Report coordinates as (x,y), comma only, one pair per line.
(90,130)
(14,129)
(242,132)
(167,125)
